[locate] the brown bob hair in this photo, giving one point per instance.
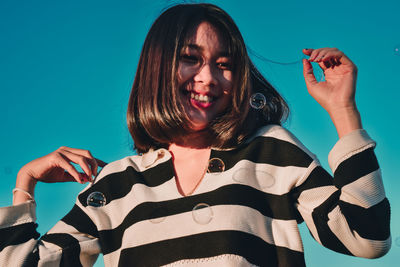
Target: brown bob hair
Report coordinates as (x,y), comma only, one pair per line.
(155,115)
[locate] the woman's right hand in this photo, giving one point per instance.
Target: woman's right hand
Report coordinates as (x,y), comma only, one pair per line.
(56,167)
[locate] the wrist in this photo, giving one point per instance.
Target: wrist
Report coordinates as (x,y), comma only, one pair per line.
(346,120)
(21,196)
(26,182)
(24,188)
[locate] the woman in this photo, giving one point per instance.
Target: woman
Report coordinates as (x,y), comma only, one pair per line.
(218,182)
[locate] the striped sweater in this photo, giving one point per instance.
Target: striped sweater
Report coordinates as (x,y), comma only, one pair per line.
(245,211)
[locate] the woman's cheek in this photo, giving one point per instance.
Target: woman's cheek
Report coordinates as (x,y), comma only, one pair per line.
(185,73)
(227,81)
(228,75)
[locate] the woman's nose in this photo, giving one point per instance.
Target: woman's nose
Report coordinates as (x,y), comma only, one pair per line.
(206,75)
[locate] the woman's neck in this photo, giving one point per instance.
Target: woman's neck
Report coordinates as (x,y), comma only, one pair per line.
(192,144)
(194,141)
(180,152)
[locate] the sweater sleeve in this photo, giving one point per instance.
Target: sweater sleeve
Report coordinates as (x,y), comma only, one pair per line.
(350,213)
(73,241)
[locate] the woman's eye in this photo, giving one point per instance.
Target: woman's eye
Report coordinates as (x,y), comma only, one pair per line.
(189,59)
(224,65)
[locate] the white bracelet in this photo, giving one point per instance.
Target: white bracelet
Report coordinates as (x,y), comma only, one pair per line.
(23,191)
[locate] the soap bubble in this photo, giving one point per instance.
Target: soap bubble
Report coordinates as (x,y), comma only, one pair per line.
(202,213)
(255,178)
(96,199)
(258,101)
(216,165)
(155,217)
(397,241)
(157,220)
(397,50)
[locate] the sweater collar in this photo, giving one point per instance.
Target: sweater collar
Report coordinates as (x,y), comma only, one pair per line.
(152,156)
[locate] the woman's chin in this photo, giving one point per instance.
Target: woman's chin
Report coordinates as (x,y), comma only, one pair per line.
(198,127)
(198,122)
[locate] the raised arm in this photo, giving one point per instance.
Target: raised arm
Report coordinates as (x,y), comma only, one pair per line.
(55,167)
(73,241)
(337,93)
(349,213)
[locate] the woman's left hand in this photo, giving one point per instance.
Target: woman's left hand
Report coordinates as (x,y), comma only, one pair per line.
(338,89)
(337,93)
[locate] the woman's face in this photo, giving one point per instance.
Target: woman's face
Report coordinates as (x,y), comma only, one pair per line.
(204,76)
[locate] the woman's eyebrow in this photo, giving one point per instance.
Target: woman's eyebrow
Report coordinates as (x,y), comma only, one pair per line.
(194,46)
(222,53)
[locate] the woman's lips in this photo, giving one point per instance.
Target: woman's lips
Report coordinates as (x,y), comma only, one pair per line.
(200,104)
(201,101)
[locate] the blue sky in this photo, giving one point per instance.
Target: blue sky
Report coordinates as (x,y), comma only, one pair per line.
(66,68)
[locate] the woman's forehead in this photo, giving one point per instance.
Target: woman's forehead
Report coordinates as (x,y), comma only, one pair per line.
(203,33)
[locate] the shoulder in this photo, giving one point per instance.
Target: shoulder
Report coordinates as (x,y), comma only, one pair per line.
(279,136)
(116,179)
(120,166)
(135,163)
(110,174)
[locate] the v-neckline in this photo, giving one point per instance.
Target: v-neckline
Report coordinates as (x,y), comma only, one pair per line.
(197,184)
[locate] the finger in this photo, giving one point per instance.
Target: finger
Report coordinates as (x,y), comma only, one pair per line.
(88,157)
(79,151)
(101,163)
(320,53)
(307,51)
(83,178)
(67,177)
(338,55)
(327,64)
(314,54)
(94,163)
(345,60)
(329,58)
(78,159)
(327,54)
(334,62)
(308,73)
(61,162)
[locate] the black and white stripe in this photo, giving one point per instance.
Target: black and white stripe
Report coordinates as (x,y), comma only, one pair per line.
(268,186)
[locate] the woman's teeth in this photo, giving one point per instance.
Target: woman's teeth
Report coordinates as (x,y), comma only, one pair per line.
(201,98)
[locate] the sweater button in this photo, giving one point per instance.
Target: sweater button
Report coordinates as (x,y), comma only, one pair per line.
(216,165)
